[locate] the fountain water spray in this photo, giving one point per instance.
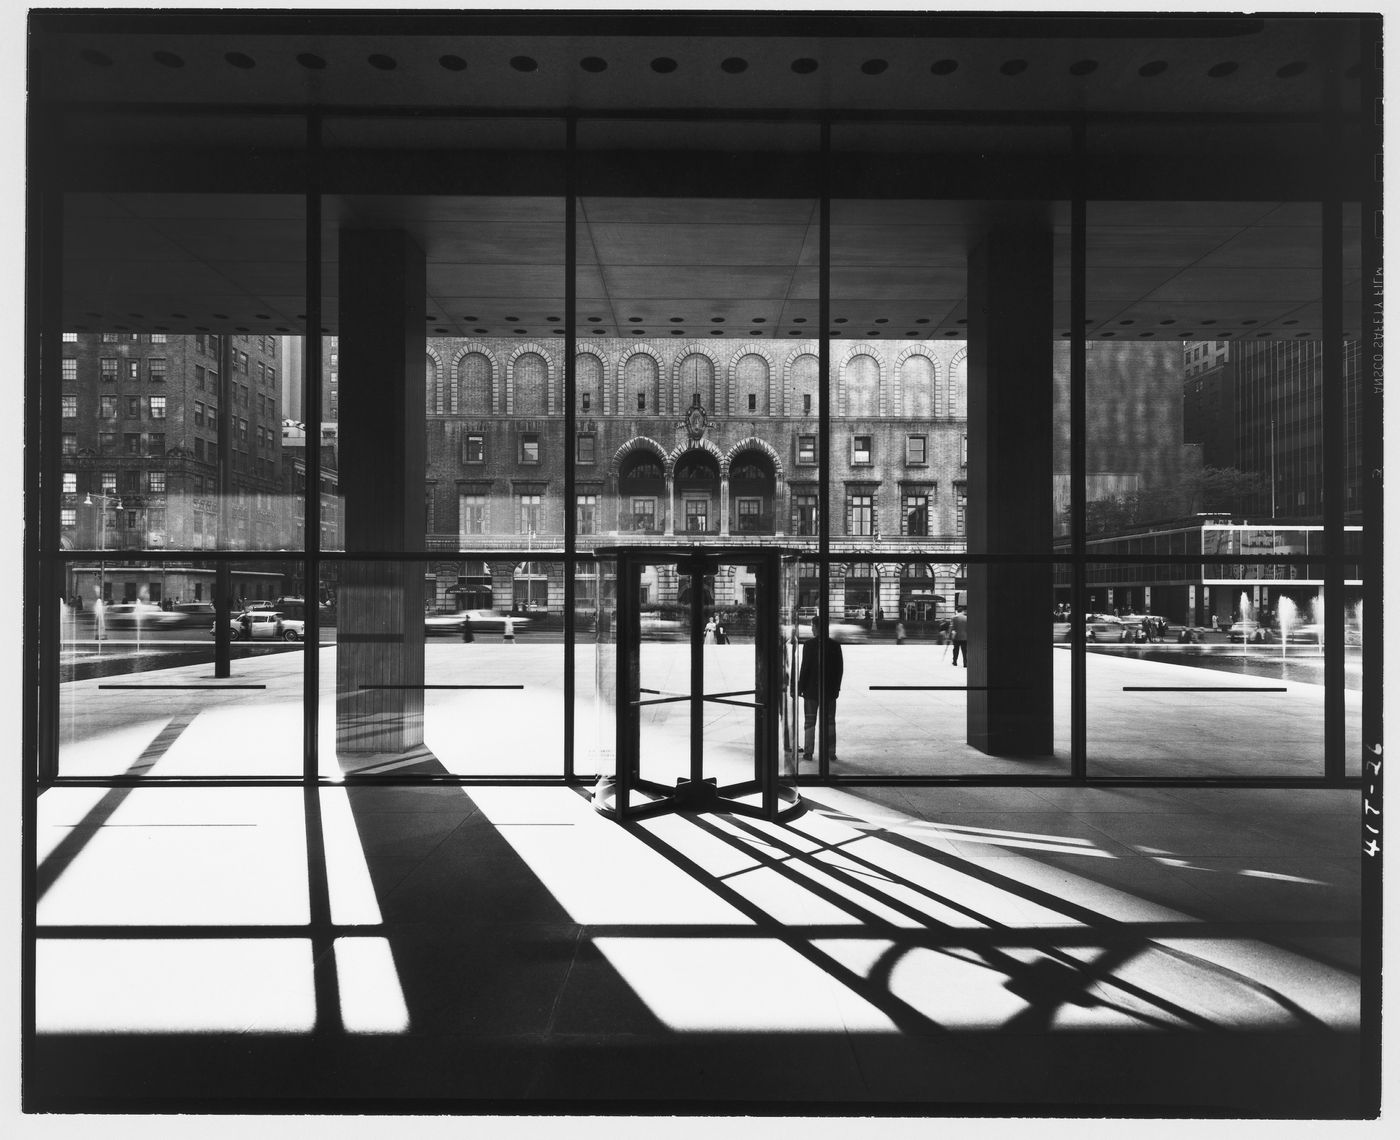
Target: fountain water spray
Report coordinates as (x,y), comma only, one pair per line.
(1287,618)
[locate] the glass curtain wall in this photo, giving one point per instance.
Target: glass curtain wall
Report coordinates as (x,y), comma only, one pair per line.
(927,411)
(687,405)
(446,311)
(180,513)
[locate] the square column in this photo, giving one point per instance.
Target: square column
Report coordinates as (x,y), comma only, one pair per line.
(1010,408)
(379,650)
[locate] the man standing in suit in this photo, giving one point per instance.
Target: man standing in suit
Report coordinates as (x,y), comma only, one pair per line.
(960,636)
(825,699)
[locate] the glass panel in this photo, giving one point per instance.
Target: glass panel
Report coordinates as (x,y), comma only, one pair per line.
(173,432)
(1216,678)
(704,425)
(1178,425)
(904,698)
(451,687)
(493,381)
(138,692)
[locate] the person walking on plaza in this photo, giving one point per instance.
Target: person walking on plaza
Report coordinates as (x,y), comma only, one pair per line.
(960,636)
(899,633)
(823,700)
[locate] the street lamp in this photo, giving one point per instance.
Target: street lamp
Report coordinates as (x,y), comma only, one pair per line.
(105,501)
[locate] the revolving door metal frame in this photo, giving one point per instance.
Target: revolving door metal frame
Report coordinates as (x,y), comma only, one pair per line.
(698,792)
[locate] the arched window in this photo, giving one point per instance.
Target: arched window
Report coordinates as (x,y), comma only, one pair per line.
(806,389)
(916,376)
(588,375)
(751,386)
(697,374)
(640,390)
(434,388)
(862,382)
(474,384)
(529,377)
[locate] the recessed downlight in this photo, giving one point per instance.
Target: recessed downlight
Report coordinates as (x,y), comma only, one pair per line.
(239,60)
(1156,67)
(1289,70)
(734,65)
(311,61)
(382,62)
(944,66)
(804,66)
(1084,67)
(452,62)
(1224,68)
(664,65)
(875,66)
(1014,66)
(167,59)
(593,63)
(524,63)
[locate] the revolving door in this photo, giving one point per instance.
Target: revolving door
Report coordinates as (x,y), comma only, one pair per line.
(693,664)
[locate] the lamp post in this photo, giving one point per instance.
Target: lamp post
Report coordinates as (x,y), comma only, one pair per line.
(104,502)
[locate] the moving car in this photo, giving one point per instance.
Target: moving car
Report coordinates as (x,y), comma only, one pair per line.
(481,621)
(132,613)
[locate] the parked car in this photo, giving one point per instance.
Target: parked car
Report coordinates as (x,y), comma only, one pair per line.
(263,625)
(1248,630)
(1103,627)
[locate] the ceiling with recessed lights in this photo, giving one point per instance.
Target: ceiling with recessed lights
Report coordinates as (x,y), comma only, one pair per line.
(179,143)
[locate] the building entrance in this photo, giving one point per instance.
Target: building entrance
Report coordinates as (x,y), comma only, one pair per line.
(693,677)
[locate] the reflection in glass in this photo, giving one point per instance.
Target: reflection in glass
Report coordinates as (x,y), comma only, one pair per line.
(138,695)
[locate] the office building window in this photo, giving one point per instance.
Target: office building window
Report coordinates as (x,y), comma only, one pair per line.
(68,516)
(106,442)
(107,368)
(109,482)
(916,514)
(585,401)
(587,447)
(157,407)
(133,370)
(753,402)
(155,482)
(158,338)
(750,515)
(243,431)
(960,506)
(70,482)
(69,407)
(916,450)
(697,516)
(806,403)
(806,449)
(70,338)
(473,448)
(109,338)
(586,514)
(804,507)
(156,443)
(644,515)
(133,407)
(641,401)
(860,513)
(472,513)
(531,513)
(156,369)
(199,377)
(199,448)
(70,368)
(860,450)
(131,443)
(107,407)
(198,414)
(963,459)
(70,442)
(529,447)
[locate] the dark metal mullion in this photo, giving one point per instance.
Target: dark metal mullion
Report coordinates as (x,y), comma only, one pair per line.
(1078,465)
(43,474)
(824,394)
(1333,493)
(311,357)
(697,672)
(223,577)
(570,438)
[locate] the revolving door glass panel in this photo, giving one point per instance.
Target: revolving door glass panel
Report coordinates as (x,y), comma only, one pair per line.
(698,700)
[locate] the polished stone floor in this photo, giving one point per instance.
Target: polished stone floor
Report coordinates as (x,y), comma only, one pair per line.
(950,951)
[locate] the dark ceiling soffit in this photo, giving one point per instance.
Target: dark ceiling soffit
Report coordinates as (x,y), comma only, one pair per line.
(572,22)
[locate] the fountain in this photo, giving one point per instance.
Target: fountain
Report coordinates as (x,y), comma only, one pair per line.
(1246,615)
(1355,621)
(1287,618)
(1319,614)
